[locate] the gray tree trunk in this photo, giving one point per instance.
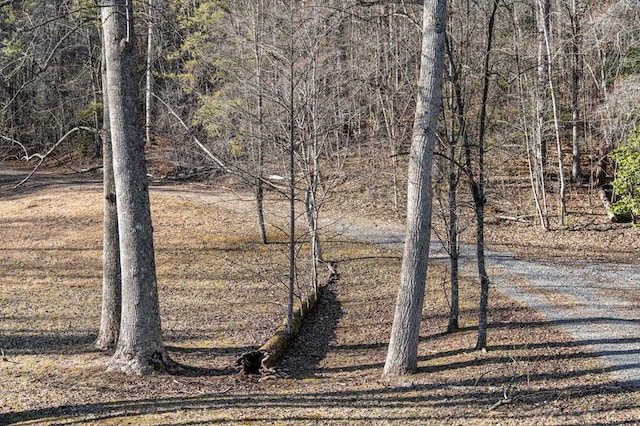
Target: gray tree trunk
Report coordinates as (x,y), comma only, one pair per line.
(477,188)
(292,174)
(111,282)
(140,349)
(576,71)
(402,356)
(540,144)
(454,249)
(148,91)
(542,65)
(259,159)
(544,9)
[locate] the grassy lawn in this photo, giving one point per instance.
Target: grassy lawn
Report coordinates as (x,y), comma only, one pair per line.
(222,293)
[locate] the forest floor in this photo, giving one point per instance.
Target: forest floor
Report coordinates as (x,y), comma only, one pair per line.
(220,296)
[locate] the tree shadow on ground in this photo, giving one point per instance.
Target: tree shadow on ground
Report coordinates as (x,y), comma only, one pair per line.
(291,408)
(196,362)
(314,339)
(43,343)
(526,353)
(10,177)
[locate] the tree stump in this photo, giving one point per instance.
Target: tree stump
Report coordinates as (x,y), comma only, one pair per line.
(251,362)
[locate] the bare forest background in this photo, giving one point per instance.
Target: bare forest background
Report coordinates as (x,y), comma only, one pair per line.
(224,83)
(536,95)
(218,74)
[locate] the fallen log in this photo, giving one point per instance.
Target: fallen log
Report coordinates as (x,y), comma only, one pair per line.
(260,361)
(275,347)
(519,219)
(251,362)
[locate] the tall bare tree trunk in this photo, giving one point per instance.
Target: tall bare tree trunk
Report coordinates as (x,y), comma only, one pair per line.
(554,106)
(96,75)
(310,155)
(540,143)
(292,171)
(454,246)
(476,182)
(111,282)
(402,356)
(576,71)
(530,125)
(478,191)
(140,349)
(258,28)
(148,91)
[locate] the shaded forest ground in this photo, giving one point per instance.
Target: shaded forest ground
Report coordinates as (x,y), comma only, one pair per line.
(221,295)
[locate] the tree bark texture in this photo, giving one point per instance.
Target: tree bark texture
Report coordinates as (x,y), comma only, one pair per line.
(148,91)
(454,249)
(403,344)
(111,277)
(140,349)
(276,346)
(576,71)
(478,192)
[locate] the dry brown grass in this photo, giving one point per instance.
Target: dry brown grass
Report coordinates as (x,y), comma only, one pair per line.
(222,293)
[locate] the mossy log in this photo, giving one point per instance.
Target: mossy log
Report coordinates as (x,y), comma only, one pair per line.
(268,355)
(275,347)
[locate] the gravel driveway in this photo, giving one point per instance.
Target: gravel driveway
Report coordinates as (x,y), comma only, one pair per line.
(586,300)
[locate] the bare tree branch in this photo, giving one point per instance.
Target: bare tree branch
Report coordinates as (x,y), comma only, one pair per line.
(42,157)
(40,67)
(15,142)
(229,168)
(195,139)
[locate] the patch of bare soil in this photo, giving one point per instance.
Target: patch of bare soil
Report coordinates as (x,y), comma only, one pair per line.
(222,294)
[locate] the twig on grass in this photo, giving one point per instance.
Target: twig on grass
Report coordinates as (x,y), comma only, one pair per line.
(500,402)
(4,357)
(507,391)
(475,383)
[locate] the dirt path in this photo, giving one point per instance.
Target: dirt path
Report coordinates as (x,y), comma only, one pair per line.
(593,302)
